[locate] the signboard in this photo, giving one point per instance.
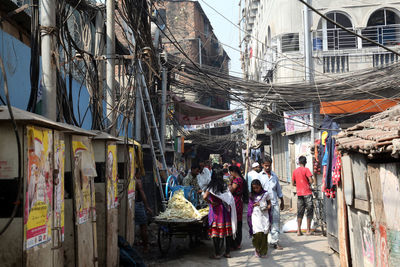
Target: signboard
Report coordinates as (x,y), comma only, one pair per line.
(298,120)
(111,174)
(39,187)
(131,186)
(236,118)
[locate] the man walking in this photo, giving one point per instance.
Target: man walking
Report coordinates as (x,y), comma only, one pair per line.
(270,183)
(203,177)
(253,174)
(302,179)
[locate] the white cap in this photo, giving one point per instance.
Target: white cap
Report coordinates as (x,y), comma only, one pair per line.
(255,165)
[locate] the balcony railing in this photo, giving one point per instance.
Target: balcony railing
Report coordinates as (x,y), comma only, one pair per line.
(338,39)
(386,35)
(334,39)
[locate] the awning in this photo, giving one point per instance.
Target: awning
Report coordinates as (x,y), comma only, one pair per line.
(191,113)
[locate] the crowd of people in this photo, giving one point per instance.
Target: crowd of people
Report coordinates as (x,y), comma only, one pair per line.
(226,190)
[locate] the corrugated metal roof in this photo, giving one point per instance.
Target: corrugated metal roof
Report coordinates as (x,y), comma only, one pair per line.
(379,134)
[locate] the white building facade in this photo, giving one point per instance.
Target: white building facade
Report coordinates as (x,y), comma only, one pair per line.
(275,39)
(274,53)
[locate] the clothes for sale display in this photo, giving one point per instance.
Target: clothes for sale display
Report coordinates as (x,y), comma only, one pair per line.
(337,172)
(328,161)
(256,154)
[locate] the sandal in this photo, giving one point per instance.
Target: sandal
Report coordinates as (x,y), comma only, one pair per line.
(214,257)
(227,256)
(299,233)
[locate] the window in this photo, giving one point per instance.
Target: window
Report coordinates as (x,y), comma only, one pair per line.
(334,37)
(290,42)
(336,64)
(383,27)
(384,59)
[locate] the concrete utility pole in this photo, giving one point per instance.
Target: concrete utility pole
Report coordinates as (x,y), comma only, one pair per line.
(48,23)
(99,51)
(309,69)
(138,110)
(163,106)
(110,67)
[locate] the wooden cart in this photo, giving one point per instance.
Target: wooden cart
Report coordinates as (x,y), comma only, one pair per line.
(196,229)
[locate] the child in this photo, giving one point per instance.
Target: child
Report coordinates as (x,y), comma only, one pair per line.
(258,218)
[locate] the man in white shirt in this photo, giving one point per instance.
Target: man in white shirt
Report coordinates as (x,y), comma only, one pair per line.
(253,174)
(270,182)
(204,177)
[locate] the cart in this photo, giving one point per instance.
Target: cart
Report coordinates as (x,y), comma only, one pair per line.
(196,229)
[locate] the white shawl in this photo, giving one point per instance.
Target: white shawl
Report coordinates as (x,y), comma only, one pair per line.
(227,198)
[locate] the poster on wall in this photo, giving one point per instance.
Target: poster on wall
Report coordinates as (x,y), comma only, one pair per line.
(84,171)
(59,167)
(298,120)
(111,174)
(131,186)
(39,187)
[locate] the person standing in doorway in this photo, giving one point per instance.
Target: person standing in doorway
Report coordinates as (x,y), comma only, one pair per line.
(302,179)
(270,183)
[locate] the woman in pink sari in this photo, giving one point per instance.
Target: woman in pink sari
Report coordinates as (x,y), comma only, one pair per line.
(221,216)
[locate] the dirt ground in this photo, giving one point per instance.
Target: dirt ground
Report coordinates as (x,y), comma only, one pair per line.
(298,251)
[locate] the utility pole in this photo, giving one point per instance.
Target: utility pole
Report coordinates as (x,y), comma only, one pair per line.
(138,109)
(48,23)
(99,51)
(110,67)
(247,159)
(163,106)
(309,70)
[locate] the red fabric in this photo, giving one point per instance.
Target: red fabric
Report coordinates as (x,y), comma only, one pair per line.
(338,171)
(191,113)
(302,184)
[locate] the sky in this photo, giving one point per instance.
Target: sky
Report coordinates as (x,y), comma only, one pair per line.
(224,30)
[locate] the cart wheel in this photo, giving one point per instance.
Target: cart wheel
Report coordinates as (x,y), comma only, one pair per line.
(164,239)
(192,241)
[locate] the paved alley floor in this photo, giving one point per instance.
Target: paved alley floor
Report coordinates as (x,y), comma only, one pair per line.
(298,251)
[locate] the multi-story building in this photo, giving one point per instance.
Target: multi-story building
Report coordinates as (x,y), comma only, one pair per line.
(188,25)
(274,48)
(193,31)
(275,53)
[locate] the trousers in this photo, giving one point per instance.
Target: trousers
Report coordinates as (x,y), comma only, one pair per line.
(219,245)
(276,224)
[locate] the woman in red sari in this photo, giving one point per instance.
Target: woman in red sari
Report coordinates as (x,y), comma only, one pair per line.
(239,190)
(221,216)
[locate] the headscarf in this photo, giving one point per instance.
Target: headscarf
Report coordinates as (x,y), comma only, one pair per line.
(252,201)
(227,198)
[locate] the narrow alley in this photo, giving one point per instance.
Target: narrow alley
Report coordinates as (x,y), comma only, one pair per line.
(298,251)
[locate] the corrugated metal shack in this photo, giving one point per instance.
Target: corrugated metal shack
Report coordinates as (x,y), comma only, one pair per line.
(369,194)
